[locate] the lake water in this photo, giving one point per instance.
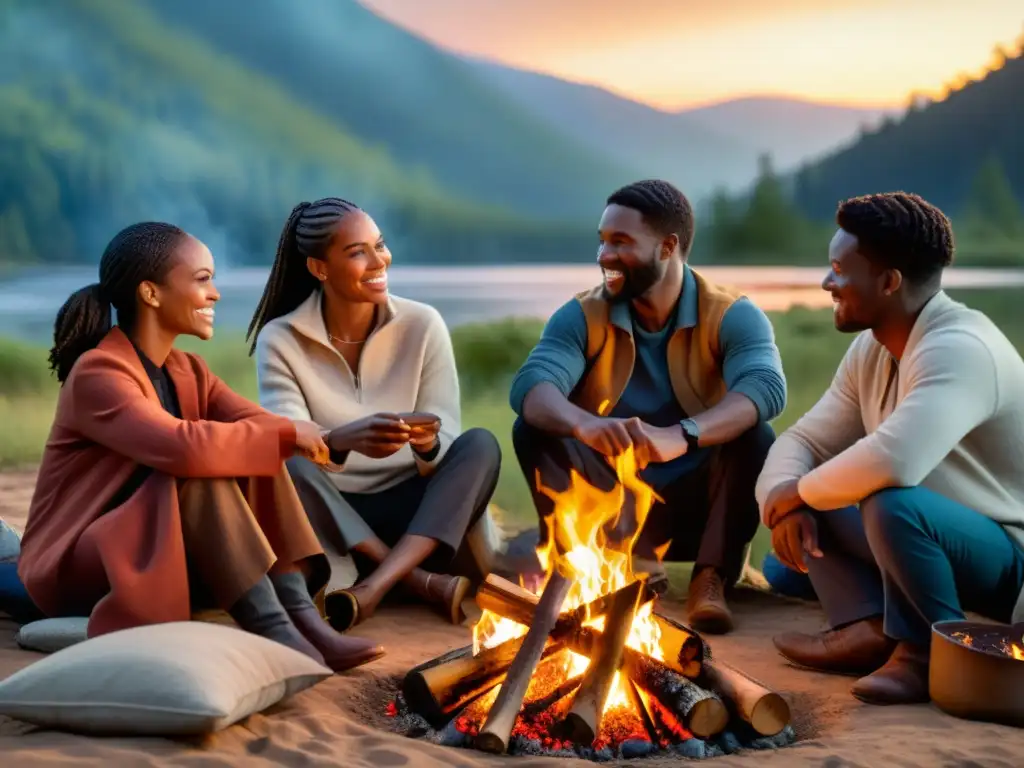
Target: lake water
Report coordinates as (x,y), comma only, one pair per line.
(29,300)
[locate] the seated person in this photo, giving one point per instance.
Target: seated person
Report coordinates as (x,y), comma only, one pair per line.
(160,489)
(335,347)
(662,359)
(900,492)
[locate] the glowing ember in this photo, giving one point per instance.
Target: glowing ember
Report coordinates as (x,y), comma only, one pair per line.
(1009,648)
(579,546)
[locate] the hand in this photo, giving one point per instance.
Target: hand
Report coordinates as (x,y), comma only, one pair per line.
(309,442)
(782,500)
(656,444)
(795,538)
(610,437)
(375,436)
(423,437)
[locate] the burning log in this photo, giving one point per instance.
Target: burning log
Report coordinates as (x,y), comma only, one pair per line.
(702,712)
(683,648)
(582,723)
(439,688)
(766,711)
(536,707)
(646,717)
(494,736)
(504,598)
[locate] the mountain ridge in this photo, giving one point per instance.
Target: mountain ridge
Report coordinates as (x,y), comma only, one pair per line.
(701,149)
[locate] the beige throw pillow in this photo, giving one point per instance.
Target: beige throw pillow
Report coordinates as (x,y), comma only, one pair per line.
(177,679)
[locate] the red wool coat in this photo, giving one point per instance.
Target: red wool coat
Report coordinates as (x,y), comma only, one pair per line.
(109,422)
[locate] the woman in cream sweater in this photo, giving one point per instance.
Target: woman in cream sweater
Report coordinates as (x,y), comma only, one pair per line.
(377,373)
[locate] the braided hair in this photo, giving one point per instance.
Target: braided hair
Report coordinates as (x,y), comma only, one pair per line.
(898,230)
(140,252)
(663,207)
(307,233)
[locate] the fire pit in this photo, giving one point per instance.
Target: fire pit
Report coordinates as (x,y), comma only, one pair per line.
(585,667)
(976,671)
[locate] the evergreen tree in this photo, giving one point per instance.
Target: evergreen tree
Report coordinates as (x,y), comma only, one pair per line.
(771,223)
(991,205)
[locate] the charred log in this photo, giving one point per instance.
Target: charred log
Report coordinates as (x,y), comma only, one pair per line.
(494,736)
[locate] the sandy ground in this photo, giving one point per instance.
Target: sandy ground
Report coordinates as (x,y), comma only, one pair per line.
(342,721)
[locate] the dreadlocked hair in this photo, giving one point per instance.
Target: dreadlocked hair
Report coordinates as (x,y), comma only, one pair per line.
(137,253)
(664,208)
(898,230)
(307,233)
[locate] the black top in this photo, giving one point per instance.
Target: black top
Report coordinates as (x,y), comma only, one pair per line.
(161,383)
(169,400)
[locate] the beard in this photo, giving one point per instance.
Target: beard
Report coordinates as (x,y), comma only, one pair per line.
(635,282)
(847,322)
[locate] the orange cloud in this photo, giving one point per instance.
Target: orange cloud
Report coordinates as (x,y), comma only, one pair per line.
(676,52)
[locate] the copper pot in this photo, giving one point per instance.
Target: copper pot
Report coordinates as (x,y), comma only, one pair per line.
(972,673)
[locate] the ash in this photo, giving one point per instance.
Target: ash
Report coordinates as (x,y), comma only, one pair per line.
(737,738)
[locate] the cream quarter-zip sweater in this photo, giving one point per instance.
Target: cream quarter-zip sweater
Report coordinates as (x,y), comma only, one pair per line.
(948,416)
(407,365)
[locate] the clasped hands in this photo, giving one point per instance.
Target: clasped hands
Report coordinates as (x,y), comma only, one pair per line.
(612,437)
(794,529)
(376,436)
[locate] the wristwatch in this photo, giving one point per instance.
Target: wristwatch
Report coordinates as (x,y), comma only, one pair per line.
(691,432)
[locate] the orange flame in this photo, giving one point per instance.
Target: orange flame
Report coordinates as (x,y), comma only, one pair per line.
(578,545)
(1017,651)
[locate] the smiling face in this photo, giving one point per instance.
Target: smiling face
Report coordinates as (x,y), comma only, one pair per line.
(355,266)
(634,258)
(183,300)
(861,292)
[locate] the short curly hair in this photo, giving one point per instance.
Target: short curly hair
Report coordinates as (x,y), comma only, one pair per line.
(899,230)
(664,208)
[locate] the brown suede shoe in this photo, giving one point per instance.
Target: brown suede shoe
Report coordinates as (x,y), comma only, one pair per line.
(856,649)
(706,604)
(902,680)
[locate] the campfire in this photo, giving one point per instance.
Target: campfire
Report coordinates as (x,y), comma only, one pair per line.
(584,665)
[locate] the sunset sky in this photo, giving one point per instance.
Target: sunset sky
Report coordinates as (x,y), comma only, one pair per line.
(675,53)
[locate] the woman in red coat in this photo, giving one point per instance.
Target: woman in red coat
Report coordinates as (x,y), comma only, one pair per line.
(160,489)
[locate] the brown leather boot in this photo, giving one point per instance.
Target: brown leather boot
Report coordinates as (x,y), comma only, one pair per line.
(856,649)
(340,653)
(902,680)
(706,604)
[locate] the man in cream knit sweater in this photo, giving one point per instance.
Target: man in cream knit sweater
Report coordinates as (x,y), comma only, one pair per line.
(901,492)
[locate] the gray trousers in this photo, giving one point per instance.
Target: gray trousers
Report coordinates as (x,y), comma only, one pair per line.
(449,506)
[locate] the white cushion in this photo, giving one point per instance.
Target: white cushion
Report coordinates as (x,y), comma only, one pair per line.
(52,635)
(177,679)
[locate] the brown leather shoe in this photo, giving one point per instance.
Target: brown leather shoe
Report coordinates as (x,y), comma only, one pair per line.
(856,649)
(706,604)
(902,680)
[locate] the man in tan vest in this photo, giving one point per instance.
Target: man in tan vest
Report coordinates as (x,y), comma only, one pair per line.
(661,359)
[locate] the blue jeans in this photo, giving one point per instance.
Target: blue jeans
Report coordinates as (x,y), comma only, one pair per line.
(914,557)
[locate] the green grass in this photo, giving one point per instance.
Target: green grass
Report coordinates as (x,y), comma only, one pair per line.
(487,356)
